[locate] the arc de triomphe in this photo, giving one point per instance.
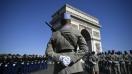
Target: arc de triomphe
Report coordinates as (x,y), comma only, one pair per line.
(88,25)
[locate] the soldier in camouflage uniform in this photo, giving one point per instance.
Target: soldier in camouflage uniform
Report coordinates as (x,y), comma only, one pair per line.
(101,59)
(131,60)
(108,63)
(116,65)
(103,63)
(129,64)
(62,47)
(126,61)
(93,59)
(122,63)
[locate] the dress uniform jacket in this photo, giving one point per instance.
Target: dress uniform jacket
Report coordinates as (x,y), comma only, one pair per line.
(60,43)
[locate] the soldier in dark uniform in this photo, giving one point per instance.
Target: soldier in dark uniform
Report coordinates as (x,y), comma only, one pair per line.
(62,47)
(102,63)
(1,64)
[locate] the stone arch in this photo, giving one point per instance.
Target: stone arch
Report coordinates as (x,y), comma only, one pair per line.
(85,33)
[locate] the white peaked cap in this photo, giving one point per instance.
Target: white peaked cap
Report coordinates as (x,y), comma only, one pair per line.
(67,16)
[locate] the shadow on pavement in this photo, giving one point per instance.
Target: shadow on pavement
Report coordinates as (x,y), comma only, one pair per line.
(46,71)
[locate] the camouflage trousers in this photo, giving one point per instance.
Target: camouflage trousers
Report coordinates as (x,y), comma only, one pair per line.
(116,69)
(129,68)
(123,68)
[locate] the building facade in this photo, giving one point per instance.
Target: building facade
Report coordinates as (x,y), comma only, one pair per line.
(88,25)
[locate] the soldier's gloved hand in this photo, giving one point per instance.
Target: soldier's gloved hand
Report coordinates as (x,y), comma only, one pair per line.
(66,60)
(94,63)
(110,61)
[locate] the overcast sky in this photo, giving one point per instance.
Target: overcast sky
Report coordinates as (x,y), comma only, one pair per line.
(21,30)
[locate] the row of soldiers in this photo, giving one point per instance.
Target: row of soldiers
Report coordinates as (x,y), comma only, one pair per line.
(110,62)
(21,64)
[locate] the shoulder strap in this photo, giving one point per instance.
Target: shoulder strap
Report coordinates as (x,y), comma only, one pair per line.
(70,41)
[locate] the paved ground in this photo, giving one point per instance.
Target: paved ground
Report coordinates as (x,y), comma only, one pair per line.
(48,71)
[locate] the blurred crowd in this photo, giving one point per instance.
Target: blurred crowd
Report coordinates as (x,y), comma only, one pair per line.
(110,62)
(21,64)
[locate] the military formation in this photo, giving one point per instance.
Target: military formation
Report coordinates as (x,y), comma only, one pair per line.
(21,64)
(110,62)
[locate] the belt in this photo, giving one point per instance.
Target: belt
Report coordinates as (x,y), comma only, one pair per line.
(116,62)
(65,50)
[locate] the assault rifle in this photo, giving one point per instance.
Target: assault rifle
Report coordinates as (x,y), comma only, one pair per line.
(50,26)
